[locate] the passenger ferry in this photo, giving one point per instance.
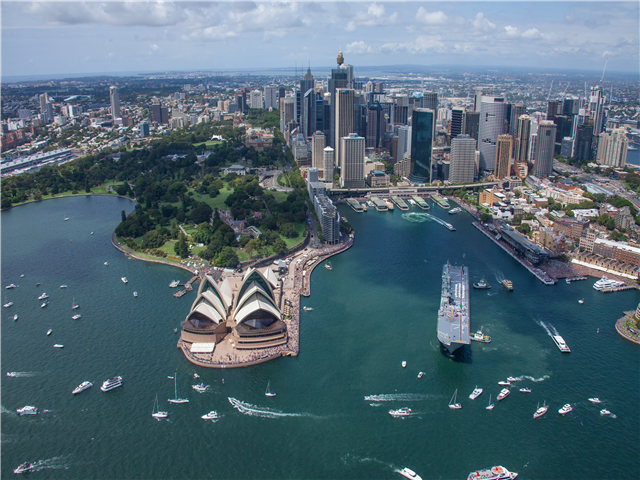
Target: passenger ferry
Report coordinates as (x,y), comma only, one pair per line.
(82,387)
(562,346)
(494,473)
(27,410)
(112,383)
(606,283)
(401,412)
(507,284)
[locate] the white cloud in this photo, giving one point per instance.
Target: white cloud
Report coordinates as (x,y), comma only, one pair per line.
(431,18)
(532,33)
(155,47)
(483,24)
(358,48)
(373,17)
(512,32)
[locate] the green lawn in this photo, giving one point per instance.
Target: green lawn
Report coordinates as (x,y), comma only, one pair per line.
(300,227)
(279,196)
(218,202)
(209,144)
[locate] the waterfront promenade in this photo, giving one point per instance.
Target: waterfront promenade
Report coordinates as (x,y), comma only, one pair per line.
(626,330)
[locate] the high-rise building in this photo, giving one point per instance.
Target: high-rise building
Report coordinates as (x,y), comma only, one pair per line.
(114,96)
(403,146)
(43,102)
(463,155)
(352,161)
(582,142)
(493,114)
(317,150)
(545,146)
(49,107)
(457,122)
(287,112)
(503,156)
(309,115)
(612,148)
(343,115)
(430,101)
(270,96)
(517,110)
(552,109)
(422,135)
(523,130)
(144,129)
(313,175)
(472,124)
(256,99)
(339,78)
(328,165)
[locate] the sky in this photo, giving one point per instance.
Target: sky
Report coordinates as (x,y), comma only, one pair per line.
(71,37)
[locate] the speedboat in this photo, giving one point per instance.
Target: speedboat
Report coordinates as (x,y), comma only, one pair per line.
(124,279)
(135,294)
(58,345)
(8,304)
(63,286)
(44,304)
(212,415)
(512,379)
(27,410)
(455,210)
(595,400)
(504,393)
(43,296)
(307,309)
(401,412)
(494,473)
(23,468)
(82,387)
(76,316)
(195,375)
(200,387)
(604,411)
(22,275)
(476,393)
(112,383)
(541,410)
(15,317)
(525,390)
(581,301)
(49,332)
(106,263)
(504,382)
(404,364)
(12,374)
(565,409)
(408,473)
(420,375)
(9,287)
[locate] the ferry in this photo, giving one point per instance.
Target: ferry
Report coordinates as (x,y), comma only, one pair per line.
(124,279)
(212,415)
(507,284)
(410,474)
(389,204)
(27,410)
(82,387)
(480,337)
(8,304)
(43,296)
(455,210)
(482,284)
(449,226)
(23,468)
(541,410)
(476,393)
(565,409)
(605,283)
(112,383)
(562,346)
(401,412)
(494,473)
(504,393)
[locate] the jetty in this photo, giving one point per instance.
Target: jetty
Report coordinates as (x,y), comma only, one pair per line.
(440,201)
(187,286)
(421,202)
(575,279)
(399,202)
(380,205)
(353,203)
(618,289)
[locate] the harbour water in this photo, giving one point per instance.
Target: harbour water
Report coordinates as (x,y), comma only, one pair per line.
(376,308)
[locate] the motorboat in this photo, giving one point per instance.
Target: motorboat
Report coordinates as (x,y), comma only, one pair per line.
(63,286)
(494,473)
(23,468)
(27,410)
(607,283)
(112,383)
(504,393)
(43,296)
(455,210)
(82,387)
(38,284)
(307,309)
(58,345)
(44,304)
(8,304)
(404,364)
(512,379)
(22,275)
(595,400)
(525,390)
(541,410)
(565,409)
(15,317)
(195,375)
(49,332)
(581,301)
(200,387)
(420,374)
(604,411)
(476,393)
(504,382)
(12,374)
(482,284)
(124,279)
(480,337)
(328,266)
(212,415)
(408,473)
(401,412)
(76,316)
(9,287)
(106,263)
(453,405)
(135,294)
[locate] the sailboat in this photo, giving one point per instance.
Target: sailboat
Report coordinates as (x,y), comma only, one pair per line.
(156,413)
(490,405)
(65,217)
(74,305)
(175,329)
(268,392)
(452,403)
(175,398)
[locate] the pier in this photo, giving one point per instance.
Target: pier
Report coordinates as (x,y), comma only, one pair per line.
(353,203)
(575,279)
(421,203)
(440,201)
(187,286)
(380,205)
(399,202)
(619,289)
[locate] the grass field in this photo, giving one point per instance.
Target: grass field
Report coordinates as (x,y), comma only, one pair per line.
(218,202)
(209,144)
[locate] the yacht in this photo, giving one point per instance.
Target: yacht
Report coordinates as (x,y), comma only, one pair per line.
(604,411)
(106,263)
(76,316)
(476,393)
(58,345)
(401,412)
(135,294)
(43,296)
(82,387)
(112,383)
(124,279)
(606,283)
(504,382)
(453,405)
(408,473)
(482,284)
(307,309)
(504,393)
(49,332)
(9,287)
(8,304)
(155,411)
(63,285)
(595,400)
(404,364)
(23,468)
(525,390)
(328,266)
(420,374)
(175,398)
(565,409)
(212,415)
(512,379)
(494,473)
(455,210)
(200,387)
(541,410)
(27,410)
(44,304)
(490,406)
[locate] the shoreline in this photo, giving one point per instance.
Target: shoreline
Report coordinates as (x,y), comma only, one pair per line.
(621,331)
(74,195)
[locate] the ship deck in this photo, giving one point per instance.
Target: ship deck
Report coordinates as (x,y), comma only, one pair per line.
(454,313)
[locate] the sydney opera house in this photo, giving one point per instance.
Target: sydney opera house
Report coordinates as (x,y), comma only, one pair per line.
(241,311)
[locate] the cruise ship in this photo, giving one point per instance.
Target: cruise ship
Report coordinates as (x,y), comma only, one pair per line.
(605,283)
(453,315)
(112,383)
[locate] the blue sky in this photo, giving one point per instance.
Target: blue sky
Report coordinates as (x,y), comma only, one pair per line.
(40,38)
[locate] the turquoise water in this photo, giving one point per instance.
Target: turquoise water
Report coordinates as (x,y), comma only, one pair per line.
(376,308)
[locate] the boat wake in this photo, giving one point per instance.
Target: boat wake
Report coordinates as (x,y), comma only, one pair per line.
(4,410)
(499,276)
(416,217)
(396,397)
(352,460)
(551,330)
(533,379)
(264,412)
(21,374)
(50,463)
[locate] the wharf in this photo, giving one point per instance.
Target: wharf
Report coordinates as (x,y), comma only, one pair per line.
(353,203)
(540,275)
(380,205)
(399,202)
(575,279)
(421,203)
(619,289)
(440,201)
(187,286)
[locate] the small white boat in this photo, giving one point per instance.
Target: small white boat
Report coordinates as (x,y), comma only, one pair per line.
(268,392)
(49,331)
(91,233)
(74,305)
(155,411)
(408,473)
(43,296)
(581,301)
(21,275)
(44,304)
(135,294)
(455,210)
(9,287)
(212,415)
(15,317)
(27,410)
(490,405)
(82,387)
(595,400)
(58,345)
(504,382)
(525,390)
(504,393)
(604,411)
(420,375)
(76,316)
(328,266)
(8,304)
(476,393)
(12,374)
(452,403)
(200,387)
(307,309)
(541,410)
(401,412)
(565,409)
(23,468)
(512,379)
(195,375)
(106,263)
(124,279)
(404,364)
(63,285)
(494,473)
(169,377)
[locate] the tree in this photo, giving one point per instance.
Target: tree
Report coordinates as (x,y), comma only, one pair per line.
(181,248)
(227,258)
(288,230)
(152,239)
(201,213)
(279,247)
(486,217)
(252,246)
(123,215)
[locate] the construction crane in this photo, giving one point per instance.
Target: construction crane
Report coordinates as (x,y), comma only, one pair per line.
(604,70)
(549,96)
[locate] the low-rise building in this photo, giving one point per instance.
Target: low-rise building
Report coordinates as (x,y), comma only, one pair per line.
(376,178)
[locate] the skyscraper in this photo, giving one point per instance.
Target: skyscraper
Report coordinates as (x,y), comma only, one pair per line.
(352,161)
(503,156)
(457,122)
(339,78)
(317,150)
(523,130)
(270,96)
(552,109)
(256,99)
(404,142)
(328,165)
(43,102)
(463,156)
(493,112)
(582,142)
(612,148)
(430,101)
(545,146)
(517,110)
(115,102)
(343,115)
(422,134)
(472,124)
